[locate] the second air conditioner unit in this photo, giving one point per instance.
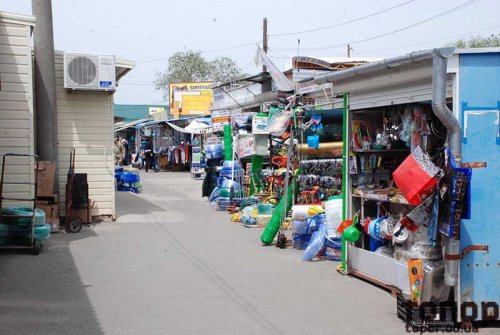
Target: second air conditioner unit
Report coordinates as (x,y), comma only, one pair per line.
(89,72)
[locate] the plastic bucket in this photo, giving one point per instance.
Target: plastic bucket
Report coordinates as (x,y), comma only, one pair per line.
(300,227)
(313,141)
(300,242)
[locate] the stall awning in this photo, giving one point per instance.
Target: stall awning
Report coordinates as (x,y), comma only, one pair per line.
(195,127)
(121,126)
(253,101)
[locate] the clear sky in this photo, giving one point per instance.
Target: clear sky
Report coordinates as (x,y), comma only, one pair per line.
(149,31)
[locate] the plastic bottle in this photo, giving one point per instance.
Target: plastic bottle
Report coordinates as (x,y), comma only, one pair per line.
(333,212)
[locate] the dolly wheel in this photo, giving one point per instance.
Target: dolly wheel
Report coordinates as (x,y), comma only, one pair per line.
(75,225)
(37,247)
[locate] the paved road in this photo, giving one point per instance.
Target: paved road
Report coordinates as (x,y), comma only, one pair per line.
(172,265)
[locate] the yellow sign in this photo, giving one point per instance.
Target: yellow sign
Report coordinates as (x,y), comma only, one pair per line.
(190,98)
(203,86)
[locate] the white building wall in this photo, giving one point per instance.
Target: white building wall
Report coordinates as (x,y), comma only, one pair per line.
(85,122)
(16,101)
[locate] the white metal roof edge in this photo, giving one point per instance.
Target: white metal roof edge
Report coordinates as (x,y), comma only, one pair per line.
(477,50)
(17,18)
(123,67)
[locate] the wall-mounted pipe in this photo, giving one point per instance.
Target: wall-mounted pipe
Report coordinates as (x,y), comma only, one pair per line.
(445,115)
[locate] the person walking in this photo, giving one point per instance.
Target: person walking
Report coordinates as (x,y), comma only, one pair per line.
(118,151)
(126,155)
(147,147)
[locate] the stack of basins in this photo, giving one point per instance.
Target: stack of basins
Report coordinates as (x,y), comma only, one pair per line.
(228,185)
(127,180)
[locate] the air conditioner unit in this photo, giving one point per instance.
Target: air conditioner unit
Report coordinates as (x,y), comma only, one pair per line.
(89,72)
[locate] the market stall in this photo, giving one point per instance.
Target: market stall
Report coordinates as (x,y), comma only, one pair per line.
(407,194)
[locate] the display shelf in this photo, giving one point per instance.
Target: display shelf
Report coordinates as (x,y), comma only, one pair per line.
(380,199)
(378,269)
(380,151)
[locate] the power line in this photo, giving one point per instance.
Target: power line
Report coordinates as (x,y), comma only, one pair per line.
(449,11)
(202,52)
(342,23)
(432,41)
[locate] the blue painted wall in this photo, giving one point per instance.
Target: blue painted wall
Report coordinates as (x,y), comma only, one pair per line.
(480,93)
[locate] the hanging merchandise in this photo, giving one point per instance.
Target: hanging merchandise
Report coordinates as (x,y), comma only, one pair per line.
(261,145)
(246,145)
(353,165)
(419,216)
(433,221)
(313,141)
(278,123)
(321,166)
(319,180)
(316,127)
(454,204)
(259,124)
(417,177)
(279,161)
(405,134)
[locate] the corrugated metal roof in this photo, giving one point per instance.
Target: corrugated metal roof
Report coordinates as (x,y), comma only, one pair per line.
(124,125)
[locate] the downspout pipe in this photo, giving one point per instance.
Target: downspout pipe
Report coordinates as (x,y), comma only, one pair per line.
(444,114)
(439,65)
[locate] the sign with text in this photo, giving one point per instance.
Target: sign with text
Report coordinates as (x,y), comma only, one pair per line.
(219,119)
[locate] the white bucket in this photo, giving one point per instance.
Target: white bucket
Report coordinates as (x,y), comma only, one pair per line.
(333,213)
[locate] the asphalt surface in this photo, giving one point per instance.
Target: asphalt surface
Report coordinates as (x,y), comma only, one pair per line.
(170,264)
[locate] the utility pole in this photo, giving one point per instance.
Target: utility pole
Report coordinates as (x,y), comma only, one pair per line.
(264,40)
(45,85)
(349,49)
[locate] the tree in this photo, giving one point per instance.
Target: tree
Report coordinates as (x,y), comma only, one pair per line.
(186,66)
(477,42)
(224,69)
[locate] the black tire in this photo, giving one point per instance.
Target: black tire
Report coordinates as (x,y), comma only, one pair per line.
(75,225)
(37,247)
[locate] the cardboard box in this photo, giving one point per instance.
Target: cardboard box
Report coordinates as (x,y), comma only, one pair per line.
(54,225)
(51,210)
(46,173)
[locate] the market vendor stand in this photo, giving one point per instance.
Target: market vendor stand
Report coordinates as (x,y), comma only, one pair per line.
(383,91)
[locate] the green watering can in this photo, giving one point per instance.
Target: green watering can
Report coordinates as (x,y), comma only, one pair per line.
(350,234)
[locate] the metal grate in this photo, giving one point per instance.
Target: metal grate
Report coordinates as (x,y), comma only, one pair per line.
(82,70)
